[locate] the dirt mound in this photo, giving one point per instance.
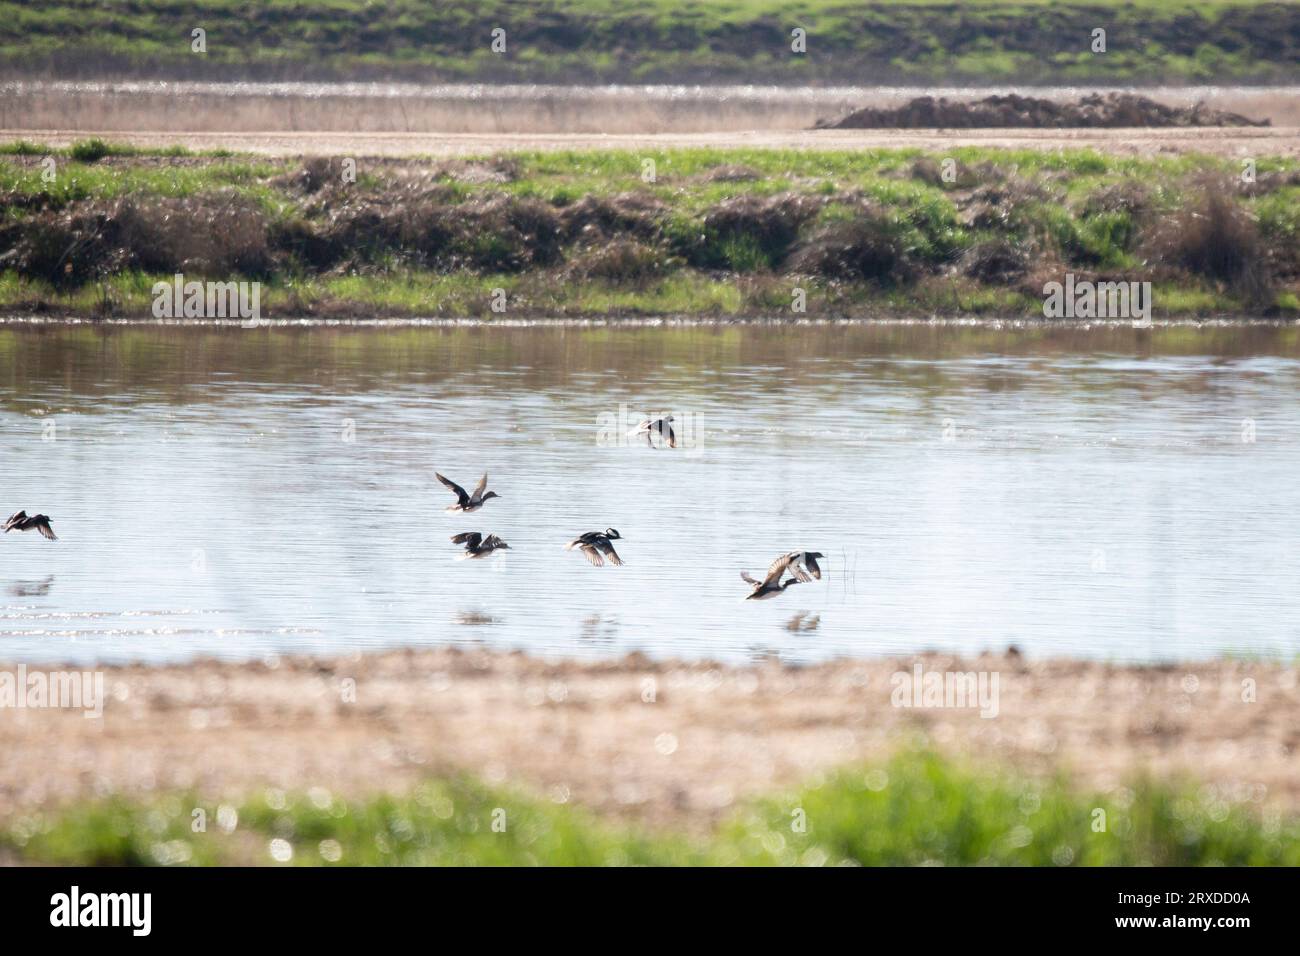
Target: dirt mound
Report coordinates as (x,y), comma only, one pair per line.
(1113,110)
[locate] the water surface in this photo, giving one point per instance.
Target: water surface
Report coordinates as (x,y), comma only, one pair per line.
(1107,492)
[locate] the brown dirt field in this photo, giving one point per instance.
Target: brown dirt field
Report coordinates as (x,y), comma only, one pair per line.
(1212,140)
(712,735)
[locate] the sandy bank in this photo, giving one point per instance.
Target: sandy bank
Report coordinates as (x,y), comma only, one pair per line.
(1277,141)
(377,108)
(656,741)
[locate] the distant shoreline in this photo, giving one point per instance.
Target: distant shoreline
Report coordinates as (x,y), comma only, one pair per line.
(361,323)
(623,41)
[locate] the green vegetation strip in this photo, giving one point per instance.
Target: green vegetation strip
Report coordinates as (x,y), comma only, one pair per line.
(917,809)
(707,232)
(662,40)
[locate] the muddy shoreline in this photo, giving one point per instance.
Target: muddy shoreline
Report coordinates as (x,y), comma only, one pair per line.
(658,742)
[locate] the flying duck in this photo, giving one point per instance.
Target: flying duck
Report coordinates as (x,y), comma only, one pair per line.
(800,563)
(477,546)
(593,544)
(20,522)
(772,585)
(466,502)
(662,426)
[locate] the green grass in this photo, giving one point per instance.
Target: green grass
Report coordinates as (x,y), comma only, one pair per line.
(1059,207)
(736,40)
(681,174)
(78,179)
(916,809)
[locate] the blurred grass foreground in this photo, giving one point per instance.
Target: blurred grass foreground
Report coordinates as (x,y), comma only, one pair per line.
(917,809)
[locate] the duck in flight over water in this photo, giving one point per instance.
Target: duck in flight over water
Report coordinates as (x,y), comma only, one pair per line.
(766,588)
(21,522)
(477,546)
(661,426)
(594,544)
(467,502)
(772,585)
(801,564)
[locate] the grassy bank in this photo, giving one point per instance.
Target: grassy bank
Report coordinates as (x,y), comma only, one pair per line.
(915,41)
(976,231)
(916,809)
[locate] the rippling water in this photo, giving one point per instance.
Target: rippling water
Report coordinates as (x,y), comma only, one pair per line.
(242,493)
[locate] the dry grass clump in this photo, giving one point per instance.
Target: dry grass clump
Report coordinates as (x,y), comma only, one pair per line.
(731,173)
(427,227)
(748,232)
(213,234)
(965,176)
(870,246)
(996,260)
(1214,238)
(623,261)
(604,217)
(1129,196)
(497,169)
(316,172)
(1007,204)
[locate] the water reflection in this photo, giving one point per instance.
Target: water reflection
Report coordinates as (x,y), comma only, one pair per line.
(803,621)
(476,619)
(32,588)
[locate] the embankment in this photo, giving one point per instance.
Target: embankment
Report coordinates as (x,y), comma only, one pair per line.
(687,232)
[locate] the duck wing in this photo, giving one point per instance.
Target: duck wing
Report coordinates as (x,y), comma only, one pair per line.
(591,554)
(15,519)
(470,539)
(456,489)
(478,491)
(811,564)
(749,579)
(607,549)
(781,564)
(672,435)
(42,524)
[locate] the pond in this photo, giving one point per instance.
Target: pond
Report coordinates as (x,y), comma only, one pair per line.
(1096,491)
